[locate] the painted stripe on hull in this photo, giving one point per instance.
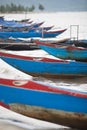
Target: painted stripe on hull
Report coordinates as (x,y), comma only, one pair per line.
(34,99)
(64,52)
(39,86)
(51,100)
(26,66)
(30,34)
(45,66)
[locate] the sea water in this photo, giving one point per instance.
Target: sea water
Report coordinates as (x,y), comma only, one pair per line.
(60,20)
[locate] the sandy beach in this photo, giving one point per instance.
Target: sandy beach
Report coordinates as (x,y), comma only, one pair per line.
(12,121)
(7,126)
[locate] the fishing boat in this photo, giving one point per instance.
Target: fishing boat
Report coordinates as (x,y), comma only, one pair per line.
(68,41)
(12,26)
(42,101)
(16,24)
(27,34)
(81,43)
(64,51)
(44,28)
(18,44)
(46,67)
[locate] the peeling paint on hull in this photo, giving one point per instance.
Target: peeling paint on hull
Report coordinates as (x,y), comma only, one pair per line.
(67,52)
(74,120)
(54,104)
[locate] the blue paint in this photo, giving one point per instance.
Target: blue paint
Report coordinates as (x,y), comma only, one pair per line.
(28,34)
(59,68)
(64,53)
(43,99)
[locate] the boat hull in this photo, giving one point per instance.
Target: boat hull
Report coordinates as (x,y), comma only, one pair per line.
(70,119)
(65,51)
(18,46)
(30,34)
(47,67)
(59,106)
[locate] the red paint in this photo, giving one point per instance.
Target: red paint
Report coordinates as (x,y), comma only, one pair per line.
(68,47)
(4,105)
(31,85)
(38,59)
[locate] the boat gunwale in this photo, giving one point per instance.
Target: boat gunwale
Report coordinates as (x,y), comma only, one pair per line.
(38,86)
(39,59)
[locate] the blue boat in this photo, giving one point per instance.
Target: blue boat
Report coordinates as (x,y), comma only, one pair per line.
(16,24)
(64,51)
(31,34)
(42,101)
(12,26)
(41,28)
(47,67)
(12,23)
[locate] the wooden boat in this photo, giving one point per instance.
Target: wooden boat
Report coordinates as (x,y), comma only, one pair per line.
(23,20)
(47,67)
(12,26)
(45,28)
(54,104)
(27,34)
(13,23)
(67,41)
(81,43)
(18,45)
(64,51)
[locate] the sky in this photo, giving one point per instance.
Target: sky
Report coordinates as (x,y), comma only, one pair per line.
(52,5)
